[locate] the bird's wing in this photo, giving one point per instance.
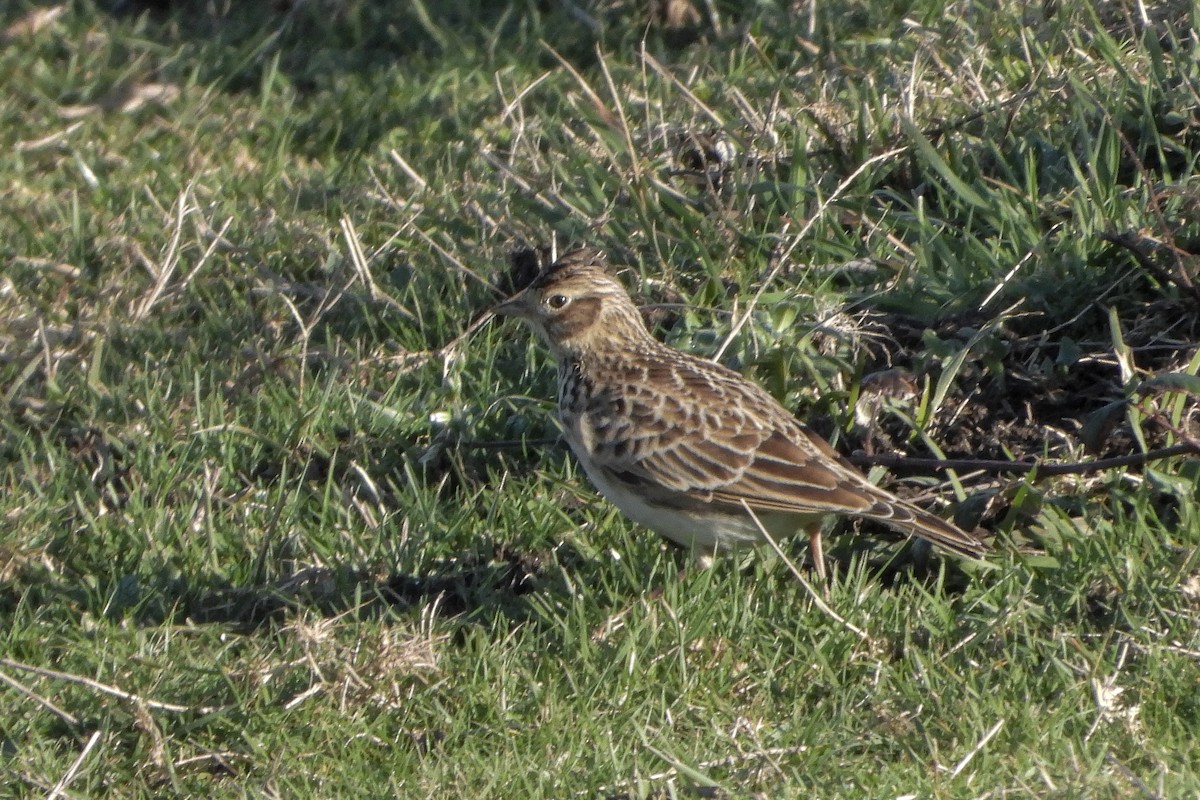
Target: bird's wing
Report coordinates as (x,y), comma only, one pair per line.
(713,435)
(717,438)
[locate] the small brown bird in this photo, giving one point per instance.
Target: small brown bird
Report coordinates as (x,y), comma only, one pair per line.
(685,446)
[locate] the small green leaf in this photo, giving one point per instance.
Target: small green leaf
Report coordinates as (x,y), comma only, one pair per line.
(930,154)
(1068,352)
(1040,562)
(1100,423)
(1171,382)
(1122,351)
(1180,486)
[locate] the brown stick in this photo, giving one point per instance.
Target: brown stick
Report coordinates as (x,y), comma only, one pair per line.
(1133,244)
(1042,469)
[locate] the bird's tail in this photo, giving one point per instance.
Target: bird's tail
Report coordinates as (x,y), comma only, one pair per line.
(912,520)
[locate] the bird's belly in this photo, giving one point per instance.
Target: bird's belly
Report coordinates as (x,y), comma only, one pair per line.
(690,523)
(700,530)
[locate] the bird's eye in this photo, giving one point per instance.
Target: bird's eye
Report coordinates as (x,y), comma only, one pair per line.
(556,300)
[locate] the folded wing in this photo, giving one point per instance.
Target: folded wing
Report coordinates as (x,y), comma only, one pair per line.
(749,450)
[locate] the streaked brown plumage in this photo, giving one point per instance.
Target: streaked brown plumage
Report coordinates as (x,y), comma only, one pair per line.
(679,443)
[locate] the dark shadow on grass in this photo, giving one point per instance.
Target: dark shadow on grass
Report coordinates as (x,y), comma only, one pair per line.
(369,56)
(467,586)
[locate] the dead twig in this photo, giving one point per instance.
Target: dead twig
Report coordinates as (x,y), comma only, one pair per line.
(104,688)
(1042,469)
(1137,247)
(60,788)
(70,719)
(509,444)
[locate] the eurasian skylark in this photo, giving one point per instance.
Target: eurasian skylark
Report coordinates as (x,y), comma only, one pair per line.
(686,447)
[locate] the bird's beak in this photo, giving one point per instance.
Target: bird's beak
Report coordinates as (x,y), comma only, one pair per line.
(514,306)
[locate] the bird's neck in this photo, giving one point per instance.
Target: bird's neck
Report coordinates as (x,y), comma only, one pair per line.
(604,347)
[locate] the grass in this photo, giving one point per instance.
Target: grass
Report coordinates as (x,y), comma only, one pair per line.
(278,521)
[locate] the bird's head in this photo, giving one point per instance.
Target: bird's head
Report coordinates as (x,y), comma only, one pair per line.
(576,306)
